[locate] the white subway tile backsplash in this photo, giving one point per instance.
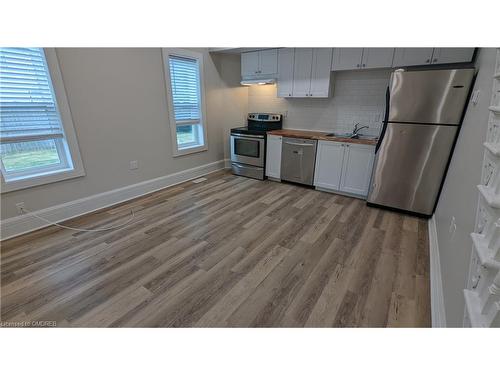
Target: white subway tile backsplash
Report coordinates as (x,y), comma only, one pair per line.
(358,96)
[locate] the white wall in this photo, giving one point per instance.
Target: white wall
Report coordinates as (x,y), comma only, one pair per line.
(118,104)
(459,195)
(358,96)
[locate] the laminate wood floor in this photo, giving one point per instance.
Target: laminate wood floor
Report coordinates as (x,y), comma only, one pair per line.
(226,252)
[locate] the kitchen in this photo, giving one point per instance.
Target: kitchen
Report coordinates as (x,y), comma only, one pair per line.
(325,107)
(279,179)
(319,212)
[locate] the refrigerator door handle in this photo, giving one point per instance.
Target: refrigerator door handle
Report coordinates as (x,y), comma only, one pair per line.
(386,119)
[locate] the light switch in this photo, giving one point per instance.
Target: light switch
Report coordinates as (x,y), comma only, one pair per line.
(134,164)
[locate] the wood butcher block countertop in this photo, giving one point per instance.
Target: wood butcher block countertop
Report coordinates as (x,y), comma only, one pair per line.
(320,136)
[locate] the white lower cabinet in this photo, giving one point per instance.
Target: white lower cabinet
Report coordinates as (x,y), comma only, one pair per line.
(344,167)
(273,156)
(357,168)
(328,169)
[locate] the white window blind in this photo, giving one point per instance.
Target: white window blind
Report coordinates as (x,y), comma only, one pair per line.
(185,81)
(28,108)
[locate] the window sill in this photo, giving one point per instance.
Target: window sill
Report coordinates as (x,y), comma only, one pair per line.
(42,179)
(190,150)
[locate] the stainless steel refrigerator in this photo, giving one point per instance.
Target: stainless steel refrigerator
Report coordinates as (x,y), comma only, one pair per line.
(423,115)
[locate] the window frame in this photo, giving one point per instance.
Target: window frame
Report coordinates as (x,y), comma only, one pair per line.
(198,56)
(47,175)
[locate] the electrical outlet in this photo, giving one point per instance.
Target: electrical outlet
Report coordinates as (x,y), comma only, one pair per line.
(134,164)
(20,207)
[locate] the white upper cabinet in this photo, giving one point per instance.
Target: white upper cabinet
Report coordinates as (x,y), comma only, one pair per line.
(328,169)
(259,63)
(273,156)
(320,73)
(285,72)
(249,64)
(377,58)
(452,55)
(425,56)
(412,56)
(302,72)
(311,72)
(362,58)
(357,169)
(347,58)
(268,61)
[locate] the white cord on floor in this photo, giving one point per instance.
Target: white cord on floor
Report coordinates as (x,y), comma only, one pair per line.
(78,229)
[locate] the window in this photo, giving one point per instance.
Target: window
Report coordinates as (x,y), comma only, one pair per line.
(35,146)
(184,79)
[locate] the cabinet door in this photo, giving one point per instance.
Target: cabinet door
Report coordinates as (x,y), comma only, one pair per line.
(249,64)
(412,56)
(268,63)
(328,169)
(302,72)
(320,72)
(452,55)
(357,169)
(285,72)
(347,58)
(273,156)
(377,58)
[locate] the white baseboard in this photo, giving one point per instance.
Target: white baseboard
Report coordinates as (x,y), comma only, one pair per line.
(437,299)
(227,163)
(26,223)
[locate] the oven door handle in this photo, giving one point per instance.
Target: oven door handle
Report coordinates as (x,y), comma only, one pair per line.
(246,166)
(247,136)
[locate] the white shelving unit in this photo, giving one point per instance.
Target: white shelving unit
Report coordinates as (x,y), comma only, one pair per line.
(482,296)
(494,148)
(485,255)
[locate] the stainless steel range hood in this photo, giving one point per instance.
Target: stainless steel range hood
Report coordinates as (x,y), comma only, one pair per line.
(258,81)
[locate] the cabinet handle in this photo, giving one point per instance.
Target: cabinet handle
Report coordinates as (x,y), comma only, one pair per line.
(435,60)
(289,94)
(310,94)
(357,65)
(364,65)
(428,60)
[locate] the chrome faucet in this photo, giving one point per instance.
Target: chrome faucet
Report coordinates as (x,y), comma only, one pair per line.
(355,131)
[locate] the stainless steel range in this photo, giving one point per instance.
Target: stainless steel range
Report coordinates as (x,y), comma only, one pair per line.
(248,144)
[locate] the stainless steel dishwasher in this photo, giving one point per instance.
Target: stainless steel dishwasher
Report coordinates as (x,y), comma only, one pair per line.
(297,160)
